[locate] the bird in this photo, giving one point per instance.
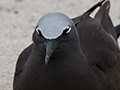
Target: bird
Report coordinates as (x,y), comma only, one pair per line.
(65,56)
(47,63)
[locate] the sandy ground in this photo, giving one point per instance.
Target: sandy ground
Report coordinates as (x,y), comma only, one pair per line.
(18,19)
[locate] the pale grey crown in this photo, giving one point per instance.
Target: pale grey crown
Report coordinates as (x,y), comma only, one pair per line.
(52,25)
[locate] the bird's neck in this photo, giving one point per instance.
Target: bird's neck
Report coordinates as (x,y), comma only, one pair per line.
(74,51)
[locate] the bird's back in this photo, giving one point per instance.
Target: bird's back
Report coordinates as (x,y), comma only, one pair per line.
(101,50)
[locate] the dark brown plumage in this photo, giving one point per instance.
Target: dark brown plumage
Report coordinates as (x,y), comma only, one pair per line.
(82,57)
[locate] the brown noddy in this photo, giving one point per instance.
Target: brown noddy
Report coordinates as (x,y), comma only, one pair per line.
(55,60)
(68,57)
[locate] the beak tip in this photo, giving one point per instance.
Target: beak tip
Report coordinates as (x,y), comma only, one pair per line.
(51,45)
(46,59)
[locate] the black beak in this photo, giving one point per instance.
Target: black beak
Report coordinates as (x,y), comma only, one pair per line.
(51,45)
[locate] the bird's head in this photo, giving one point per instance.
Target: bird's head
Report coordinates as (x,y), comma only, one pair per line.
(53,29)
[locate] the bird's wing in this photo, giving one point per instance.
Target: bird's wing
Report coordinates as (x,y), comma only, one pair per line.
(77,19)
(112,29)
(102,16)
(22,59)
(117,29)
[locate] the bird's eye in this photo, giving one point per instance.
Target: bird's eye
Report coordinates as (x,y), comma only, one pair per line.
(67,30)
(38,30)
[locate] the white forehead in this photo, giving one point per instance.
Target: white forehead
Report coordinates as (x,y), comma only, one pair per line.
(52,25)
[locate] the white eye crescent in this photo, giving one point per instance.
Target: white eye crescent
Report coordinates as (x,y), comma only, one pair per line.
(67,30)
(38,29)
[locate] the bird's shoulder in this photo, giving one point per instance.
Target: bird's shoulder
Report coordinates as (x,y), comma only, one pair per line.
(23,58)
